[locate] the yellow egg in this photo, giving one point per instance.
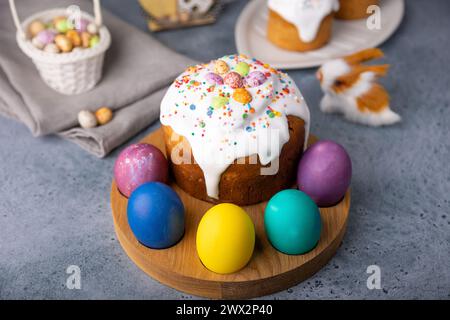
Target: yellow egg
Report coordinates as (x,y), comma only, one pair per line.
(225,238)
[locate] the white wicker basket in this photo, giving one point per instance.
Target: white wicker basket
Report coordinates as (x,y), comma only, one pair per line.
(67,73)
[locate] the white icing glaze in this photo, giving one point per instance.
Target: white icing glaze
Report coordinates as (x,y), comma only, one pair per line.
(219,136)
(306,15)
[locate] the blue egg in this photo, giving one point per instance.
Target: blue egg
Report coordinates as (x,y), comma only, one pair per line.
(292,222)
(156,215)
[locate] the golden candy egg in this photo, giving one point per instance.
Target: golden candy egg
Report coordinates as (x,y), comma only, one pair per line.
(221,67)
(74,37)
(241,95)
(64,44)
(104,115)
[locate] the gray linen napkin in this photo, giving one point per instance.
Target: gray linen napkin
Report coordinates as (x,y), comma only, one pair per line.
(137,71)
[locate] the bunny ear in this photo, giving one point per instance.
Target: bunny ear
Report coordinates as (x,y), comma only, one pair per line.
(379,70)
(364,55)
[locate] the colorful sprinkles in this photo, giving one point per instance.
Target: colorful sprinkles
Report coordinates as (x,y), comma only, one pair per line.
(238,87)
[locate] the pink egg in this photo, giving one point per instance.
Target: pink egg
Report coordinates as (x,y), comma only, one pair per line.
(46,36)
(138,164)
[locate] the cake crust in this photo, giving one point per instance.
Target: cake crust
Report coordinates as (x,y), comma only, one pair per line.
(242,183)
(354,9)
(285,34)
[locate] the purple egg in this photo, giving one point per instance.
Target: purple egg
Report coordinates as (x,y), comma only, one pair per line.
(81,25)
(325,172)
(46,36)
(214,78)
(138,164)
(255,79)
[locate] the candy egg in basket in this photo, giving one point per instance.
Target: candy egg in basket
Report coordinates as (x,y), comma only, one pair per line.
(66,45)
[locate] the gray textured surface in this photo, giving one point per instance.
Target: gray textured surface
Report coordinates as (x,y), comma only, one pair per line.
(54,198)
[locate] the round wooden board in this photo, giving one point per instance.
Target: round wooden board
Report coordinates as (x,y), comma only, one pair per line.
(268,271)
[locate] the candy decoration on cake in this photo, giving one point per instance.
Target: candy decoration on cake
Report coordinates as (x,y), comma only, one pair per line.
(225,238)
(138,164)
(325,173)
(221,121)
(156,215)
(351,88)
(292,222)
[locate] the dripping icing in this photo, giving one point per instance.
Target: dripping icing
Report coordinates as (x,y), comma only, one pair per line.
(306,15)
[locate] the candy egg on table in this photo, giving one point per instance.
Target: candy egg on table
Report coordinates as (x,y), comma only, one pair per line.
(225,238)
(292,222)
(104,115)
(138,164)
(325,172)
(156,215)
(87,119)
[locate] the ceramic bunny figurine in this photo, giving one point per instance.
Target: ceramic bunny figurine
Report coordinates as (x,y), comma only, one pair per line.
(350,88)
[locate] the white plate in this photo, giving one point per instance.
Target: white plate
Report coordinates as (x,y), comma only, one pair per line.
(348,36)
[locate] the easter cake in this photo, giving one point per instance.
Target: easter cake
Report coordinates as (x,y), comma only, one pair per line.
(300,25)
(354,9)
(234,130)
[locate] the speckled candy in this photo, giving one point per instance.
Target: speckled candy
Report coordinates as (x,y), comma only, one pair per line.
(234,80)
(242,68)
(138,164)
(219,102)
(46,36)
(242,96)
(214,79)
(221,67)
(325,172)
(255,79)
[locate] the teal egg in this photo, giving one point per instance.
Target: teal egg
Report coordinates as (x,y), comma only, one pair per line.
(292,222)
